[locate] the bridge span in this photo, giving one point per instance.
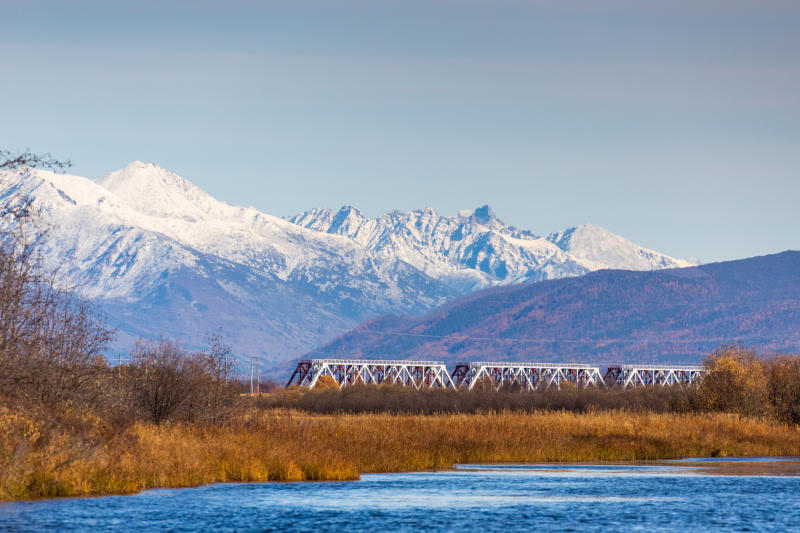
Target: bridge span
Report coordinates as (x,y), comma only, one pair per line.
(640,375)
(368,371)
(527,376)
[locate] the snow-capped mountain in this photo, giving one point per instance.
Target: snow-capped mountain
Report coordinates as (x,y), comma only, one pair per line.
(475,249)
(596,248)
(162,257)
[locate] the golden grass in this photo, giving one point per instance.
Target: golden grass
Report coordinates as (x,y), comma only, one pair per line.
(280,445)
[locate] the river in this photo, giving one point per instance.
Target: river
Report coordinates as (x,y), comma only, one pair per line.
(756,494)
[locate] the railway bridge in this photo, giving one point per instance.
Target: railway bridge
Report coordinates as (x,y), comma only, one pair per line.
(526,376)
(367,371)
(641,375)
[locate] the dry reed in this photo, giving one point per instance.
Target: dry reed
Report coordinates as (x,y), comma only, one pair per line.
(281,445)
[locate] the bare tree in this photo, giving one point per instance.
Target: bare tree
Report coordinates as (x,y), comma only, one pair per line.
(166,382)
(160,379)
(51,341)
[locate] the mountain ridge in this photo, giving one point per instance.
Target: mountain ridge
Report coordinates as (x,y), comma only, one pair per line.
(607,316)
(149,270)
(161,256)
(475,250)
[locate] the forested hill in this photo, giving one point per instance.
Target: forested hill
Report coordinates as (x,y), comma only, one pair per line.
(667,316)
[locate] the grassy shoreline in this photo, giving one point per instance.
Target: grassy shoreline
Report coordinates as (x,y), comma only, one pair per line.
(37,461)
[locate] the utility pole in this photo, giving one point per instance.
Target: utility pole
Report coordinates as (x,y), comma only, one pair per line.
(252,368)
(258,379)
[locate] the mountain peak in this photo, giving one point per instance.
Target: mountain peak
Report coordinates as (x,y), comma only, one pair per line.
(139,164)
(598,248)
(347,210)
(141,171)
(156,191)
(346,221)
(484,214)
(481,214)
(347,214)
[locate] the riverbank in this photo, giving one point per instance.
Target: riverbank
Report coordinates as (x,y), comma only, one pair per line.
(82,457)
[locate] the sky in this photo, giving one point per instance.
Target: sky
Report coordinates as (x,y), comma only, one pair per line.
(675,124)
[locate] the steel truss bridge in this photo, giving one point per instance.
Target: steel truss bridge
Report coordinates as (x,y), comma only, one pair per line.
(352,371)
(526,376)
(640,375)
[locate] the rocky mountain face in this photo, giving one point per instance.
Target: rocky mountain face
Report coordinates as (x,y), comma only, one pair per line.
(160,256)
(475,250)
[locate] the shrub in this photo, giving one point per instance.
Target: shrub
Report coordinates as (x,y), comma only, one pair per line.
(735,382)
(398,399)
(166,382)
(784,388)
(326,382)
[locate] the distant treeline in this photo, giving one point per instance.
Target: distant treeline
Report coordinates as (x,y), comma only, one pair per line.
(737,381)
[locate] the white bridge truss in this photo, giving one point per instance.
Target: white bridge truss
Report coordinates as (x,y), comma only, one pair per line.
(529,376)
(643,375)
(417,374)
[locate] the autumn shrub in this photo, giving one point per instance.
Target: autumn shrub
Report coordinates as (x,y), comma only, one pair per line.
(399,399)
(783,375)
(735,381)
(326,382)
(166,382)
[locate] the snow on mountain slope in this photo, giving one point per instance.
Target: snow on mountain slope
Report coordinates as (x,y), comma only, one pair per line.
(90,237)
(152,190)
(475,249)
(471,251)
(162,257)
(168,204)
(597,248)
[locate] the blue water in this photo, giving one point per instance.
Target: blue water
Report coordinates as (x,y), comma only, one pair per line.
(670,496)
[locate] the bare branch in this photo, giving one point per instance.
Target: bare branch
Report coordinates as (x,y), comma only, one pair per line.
(15,161)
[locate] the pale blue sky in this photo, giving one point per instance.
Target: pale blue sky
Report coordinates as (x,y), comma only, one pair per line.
(674,123)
